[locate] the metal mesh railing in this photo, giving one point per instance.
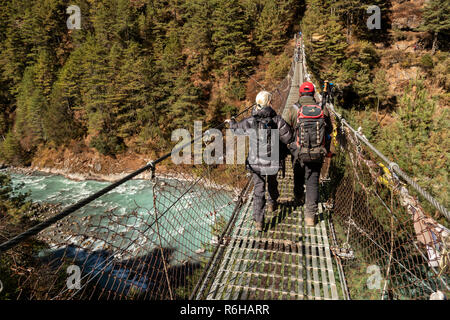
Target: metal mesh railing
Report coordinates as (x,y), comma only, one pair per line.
(388,246)
(154,251)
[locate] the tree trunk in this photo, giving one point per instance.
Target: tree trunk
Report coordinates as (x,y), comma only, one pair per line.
(433,48)
(348,29)
(378,107)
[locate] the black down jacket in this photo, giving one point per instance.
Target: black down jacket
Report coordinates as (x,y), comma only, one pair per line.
(263,160)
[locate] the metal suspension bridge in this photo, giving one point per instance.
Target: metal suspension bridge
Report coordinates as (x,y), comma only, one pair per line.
(373,239)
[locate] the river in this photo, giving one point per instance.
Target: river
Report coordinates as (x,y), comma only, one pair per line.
(186,226)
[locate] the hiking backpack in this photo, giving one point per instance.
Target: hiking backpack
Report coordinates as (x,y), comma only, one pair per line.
(310,132)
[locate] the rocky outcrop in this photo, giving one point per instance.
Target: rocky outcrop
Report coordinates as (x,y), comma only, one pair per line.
(406,14)
(86,164)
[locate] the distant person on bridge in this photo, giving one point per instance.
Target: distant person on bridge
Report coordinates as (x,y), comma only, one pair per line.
(312,125)
(264,170)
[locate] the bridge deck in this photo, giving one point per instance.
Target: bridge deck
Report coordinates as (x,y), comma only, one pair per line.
(286,261)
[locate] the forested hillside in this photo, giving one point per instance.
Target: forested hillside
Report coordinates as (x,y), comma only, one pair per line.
(138,69)
(135,71)
(393,81)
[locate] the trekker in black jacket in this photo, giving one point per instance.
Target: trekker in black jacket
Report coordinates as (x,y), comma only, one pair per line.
(307,173)
(263,162)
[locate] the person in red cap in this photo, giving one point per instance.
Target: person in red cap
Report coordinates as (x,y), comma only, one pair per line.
(306,173)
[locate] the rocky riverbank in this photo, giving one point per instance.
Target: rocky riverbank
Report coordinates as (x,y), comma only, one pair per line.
(76,176)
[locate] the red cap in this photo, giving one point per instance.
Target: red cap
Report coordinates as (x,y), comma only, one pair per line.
(306,87)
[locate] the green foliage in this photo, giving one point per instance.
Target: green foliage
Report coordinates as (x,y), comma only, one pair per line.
(108,145)
(436,20)
(13,205)
(273,23)
(136,69)
(324,39)
(427,62)
(436,17)
(417,141)
(230,39)
(441,71)
(31,105)
(11,150)
(197,35)
(21,274)
(278,68)
(236,89)
(335,34)
(380,86)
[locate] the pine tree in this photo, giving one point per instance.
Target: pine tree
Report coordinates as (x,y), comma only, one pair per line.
(12,151)
(132,68)
(232,50)
(324,40)
(31,106)
(185,108)
(273,22)
(132,93)
(44,72)
(436,19)
(197,33)
(381,88)
(416,139)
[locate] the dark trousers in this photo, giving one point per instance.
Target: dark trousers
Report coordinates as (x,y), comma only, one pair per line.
(308,175)
(259,192)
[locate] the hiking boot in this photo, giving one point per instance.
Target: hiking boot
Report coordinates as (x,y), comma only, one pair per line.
(259,226)
(310,221)
(272,206)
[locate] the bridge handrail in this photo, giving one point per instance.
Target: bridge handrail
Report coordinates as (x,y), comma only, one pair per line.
(71,209)
(393,167)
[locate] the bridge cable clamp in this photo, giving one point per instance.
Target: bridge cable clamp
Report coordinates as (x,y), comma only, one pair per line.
(393,166)
(152,168)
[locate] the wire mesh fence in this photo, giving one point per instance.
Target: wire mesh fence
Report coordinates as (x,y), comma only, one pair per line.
(389,246)
(157,250)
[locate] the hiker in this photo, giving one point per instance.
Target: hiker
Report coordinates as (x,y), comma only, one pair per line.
(260,161)
(312,125)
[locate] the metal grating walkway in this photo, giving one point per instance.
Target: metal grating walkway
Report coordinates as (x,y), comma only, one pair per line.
(287,261)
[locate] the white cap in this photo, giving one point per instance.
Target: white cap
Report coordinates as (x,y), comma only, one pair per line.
(438,295)
(263,99)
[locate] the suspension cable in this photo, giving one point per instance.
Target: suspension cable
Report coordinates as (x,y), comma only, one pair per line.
(392,165)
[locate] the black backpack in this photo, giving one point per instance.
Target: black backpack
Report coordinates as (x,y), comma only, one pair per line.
(310,133)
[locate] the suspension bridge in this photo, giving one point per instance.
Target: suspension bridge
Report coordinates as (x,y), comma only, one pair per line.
(373,240)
